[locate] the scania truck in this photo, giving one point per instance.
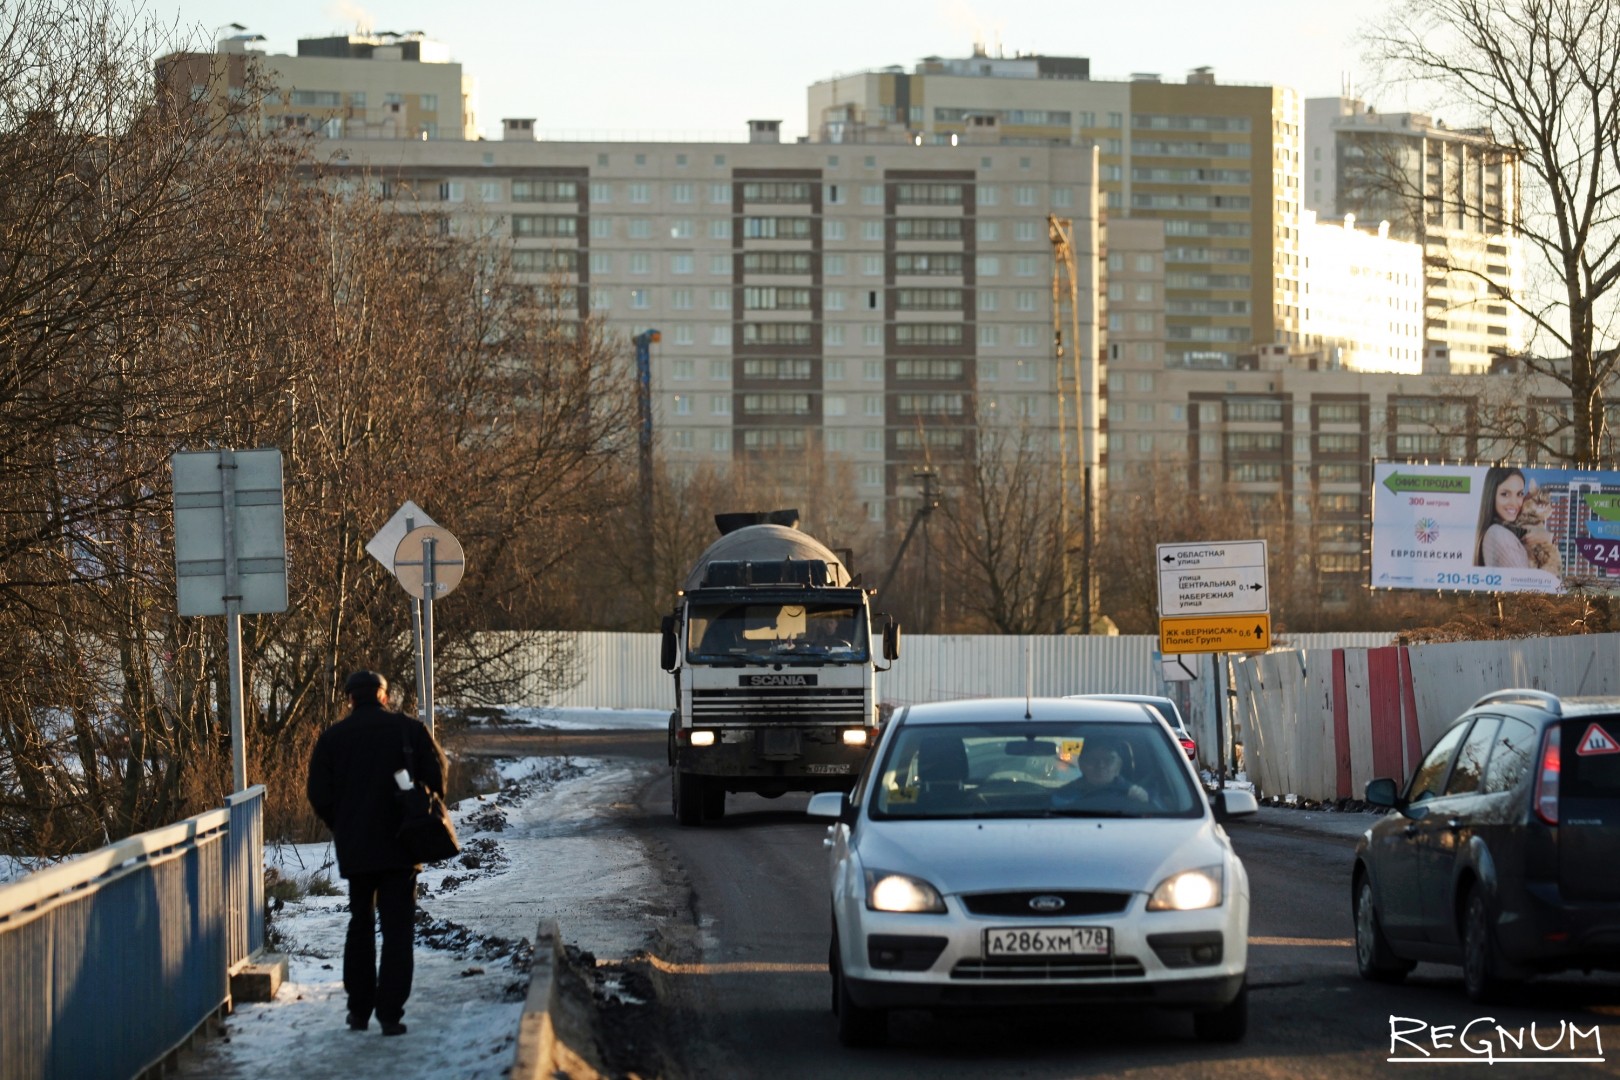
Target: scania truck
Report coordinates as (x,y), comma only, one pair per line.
(772,647)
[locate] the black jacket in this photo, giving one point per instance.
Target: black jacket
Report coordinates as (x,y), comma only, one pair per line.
(351,784)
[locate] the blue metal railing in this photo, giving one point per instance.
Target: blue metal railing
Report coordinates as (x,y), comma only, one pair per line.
(109,961)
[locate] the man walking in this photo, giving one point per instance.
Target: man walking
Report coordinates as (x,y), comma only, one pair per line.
(351,788)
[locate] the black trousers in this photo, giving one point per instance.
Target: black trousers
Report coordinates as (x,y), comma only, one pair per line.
(389,897)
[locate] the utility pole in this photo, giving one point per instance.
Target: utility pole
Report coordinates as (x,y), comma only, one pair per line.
(643,343)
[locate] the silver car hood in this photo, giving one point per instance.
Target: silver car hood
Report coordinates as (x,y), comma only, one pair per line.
(1131,855)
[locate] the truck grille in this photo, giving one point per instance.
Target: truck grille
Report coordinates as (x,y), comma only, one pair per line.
(799,705)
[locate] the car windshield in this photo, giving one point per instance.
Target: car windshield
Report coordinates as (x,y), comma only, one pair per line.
(1034,769)
(775,632)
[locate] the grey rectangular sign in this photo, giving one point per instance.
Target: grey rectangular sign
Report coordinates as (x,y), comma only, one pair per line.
(259,531)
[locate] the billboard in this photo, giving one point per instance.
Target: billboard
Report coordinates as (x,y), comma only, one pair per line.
(1498,528)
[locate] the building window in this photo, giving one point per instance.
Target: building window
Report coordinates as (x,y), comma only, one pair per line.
(932,264)
(928,229)
(680,264)
(640,193)
(776,191)
(1253,410)
(527,226)
(778,334)
(551,191)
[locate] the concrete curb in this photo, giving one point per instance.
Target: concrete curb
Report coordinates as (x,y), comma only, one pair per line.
(555,1026)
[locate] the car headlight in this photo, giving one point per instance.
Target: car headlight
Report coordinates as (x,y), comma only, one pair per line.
(1189,890)
(887,891)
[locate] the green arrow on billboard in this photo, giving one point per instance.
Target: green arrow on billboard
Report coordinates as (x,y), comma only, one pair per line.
(1457,485)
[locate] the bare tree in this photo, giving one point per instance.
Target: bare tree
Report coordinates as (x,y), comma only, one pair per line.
(1543,77)
(1000,541)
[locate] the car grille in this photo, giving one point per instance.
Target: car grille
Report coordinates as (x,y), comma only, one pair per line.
(811,705)
(1117,967)
(1074,903)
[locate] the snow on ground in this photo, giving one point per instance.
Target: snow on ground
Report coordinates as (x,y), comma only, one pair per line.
(574,719)
(543,847)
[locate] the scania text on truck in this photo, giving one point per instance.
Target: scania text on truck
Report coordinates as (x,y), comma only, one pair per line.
(771,645)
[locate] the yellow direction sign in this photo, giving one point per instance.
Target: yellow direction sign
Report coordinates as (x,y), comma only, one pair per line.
(1215,633)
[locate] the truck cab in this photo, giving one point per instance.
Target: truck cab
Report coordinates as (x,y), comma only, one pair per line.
(774,657)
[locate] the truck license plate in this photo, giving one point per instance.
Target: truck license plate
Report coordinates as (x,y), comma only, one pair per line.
(1049,941)
(833,768)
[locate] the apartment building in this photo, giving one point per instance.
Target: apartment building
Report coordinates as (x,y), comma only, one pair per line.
(1361,296)
(358,86)
(1454,192)
(1218,164)
(873,303)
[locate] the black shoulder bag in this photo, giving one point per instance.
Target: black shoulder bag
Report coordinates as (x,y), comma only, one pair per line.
(424,825)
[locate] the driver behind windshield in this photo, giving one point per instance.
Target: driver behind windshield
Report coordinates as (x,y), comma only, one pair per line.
(1100,783)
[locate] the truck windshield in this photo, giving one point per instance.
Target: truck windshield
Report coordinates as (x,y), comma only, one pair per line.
(775,632)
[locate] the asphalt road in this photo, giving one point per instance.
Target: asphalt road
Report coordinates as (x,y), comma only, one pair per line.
(744,989)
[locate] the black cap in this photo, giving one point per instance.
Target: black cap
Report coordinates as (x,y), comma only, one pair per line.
(364,684)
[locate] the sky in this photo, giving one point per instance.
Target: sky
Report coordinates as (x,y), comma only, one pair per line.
(701,69)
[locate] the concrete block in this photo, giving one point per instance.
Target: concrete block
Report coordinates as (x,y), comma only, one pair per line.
(258,977)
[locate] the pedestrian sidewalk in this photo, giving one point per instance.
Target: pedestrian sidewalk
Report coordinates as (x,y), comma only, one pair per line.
(1345,823)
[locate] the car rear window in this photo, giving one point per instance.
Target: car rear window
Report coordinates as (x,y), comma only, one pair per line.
(1590,758)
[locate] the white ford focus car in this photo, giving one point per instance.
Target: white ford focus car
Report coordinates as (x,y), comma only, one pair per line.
(1031,852)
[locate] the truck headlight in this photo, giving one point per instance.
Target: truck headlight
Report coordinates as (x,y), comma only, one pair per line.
(702,738)
(887,891)
(854,736)
(1190,890)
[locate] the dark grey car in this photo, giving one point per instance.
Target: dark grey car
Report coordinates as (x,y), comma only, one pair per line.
(1504,853)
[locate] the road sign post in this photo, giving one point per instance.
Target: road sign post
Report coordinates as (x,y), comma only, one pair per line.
(1214,598)
(382,547)
(429,563)
(230,554)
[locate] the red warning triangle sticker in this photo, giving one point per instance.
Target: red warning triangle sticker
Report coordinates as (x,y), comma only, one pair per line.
(1597,741)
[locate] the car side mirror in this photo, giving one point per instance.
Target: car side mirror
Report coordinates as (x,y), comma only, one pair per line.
(827,804)
(667,648)
(1383,792)
(1233,803)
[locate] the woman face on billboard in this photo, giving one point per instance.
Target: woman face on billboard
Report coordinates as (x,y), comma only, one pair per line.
(1509,497)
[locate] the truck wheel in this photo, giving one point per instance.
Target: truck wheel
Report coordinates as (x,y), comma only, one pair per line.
(686,793)
(714,799)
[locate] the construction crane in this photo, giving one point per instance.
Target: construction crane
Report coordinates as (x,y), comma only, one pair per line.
(1065,270)
(643,343)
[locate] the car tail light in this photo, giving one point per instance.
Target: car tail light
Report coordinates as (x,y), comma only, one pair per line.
(1547,777)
